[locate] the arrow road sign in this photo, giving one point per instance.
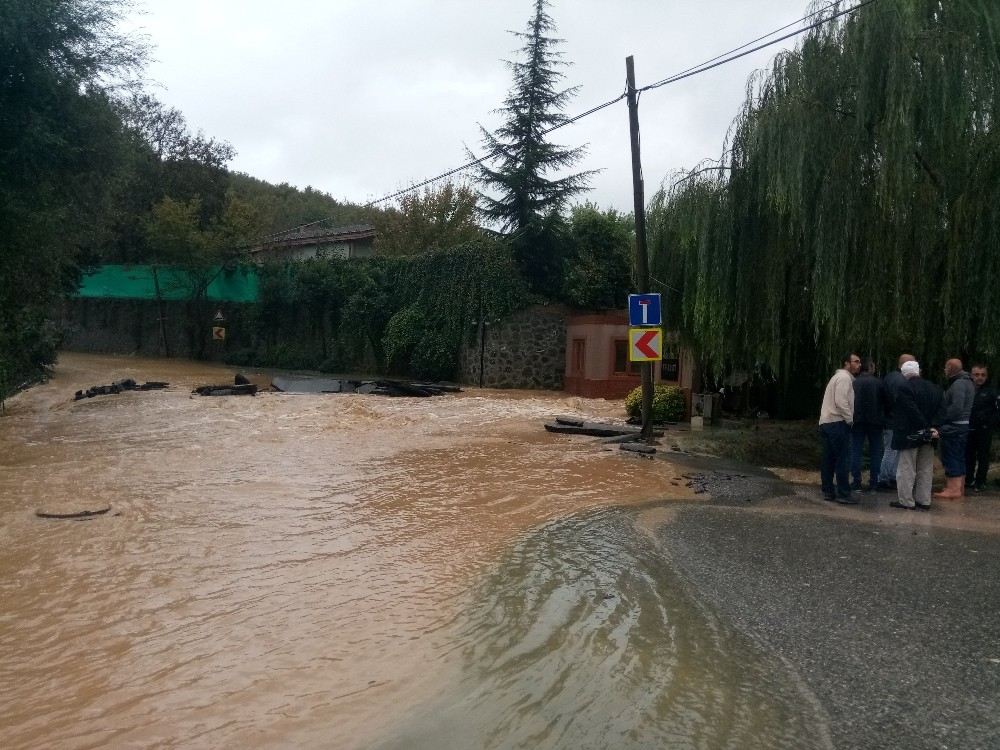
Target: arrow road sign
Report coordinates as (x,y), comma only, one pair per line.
(644,310)
(645,344)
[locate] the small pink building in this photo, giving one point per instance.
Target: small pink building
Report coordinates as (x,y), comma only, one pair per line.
(597,363)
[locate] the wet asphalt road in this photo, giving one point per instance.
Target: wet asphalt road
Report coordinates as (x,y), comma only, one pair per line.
(891,622)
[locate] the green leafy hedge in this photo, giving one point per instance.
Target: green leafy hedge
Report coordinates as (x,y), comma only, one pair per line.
(404,315)
(668,403)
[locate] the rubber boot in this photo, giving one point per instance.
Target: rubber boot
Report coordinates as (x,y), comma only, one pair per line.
(952,489)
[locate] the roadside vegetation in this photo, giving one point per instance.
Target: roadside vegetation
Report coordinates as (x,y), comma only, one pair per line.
(855,205)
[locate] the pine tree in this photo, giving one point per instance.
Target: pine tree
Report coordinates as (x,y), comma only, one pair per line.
(527,202)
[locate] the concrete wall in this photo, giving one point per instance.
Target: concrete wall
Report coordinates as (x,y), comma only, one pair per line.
(526,350)
(595,376)
(132,327)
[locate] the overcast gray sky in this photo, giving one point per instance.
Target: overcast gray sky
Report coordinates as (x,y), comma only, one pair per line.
(362,98)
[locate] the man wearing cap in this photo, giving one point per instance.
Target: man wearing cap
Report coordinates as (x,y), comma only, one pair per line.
(917,401)
(835,419)
(953,425)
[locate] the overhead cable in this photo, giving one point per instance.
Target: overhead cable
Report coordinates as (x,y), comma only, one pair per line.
(714,62)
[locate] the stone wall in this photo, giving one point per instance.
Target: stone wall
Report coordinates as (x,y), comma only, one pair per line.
(525,350)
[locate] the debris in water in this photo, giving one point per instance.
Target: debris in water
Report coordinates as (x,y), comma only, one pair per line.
(638,448)
(302,384)
(72,513)
(596,429)
(226,390)
(119,386)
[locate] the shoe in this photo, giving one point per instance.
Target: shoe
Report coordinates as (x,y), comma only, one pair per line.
(952,489)
(979,487)
(850,499)
(829,497)
(897,504)
(884,487)
(921,506)
(855,486)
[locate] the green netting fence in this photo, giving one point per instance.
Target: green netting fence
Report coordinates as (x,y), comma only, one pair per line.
(240,284)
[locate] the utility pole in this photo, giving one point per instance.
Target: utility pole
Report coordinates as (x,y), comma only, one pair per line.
(641,262)
(159,311)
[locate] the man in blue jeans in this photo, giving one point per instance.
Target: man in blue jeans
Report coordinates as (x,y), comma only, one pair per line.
(835,419)
(953,425)
(869,421)
(890,456)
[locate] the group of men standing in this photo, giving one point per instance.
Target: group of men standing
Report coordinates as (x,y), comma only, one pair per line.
(901,418)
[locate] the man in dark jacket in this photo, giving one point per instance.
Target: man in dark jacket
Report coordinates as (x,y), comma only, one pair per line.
(953,425)
(982,422)
(893,381)
(916,403)
(869,421)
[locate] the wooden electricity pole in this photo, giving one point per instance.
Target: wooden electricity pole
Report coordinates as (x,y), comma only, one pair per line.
(641,262)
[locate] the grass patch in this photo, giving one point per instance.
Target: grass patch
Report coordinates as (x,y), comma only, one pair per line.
(791,444)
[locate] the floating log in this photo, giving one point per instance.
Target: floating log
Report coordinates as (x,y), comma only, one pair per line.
(595,429)
(637,448)
(631,437)
(226,390)
(68,513)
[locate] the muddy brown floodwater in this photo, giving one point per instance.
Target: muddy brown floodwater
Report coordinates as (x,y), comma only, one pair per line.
(350,571)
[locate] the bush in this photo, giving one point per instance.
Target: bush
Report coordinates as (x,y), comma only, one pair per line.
(668,403)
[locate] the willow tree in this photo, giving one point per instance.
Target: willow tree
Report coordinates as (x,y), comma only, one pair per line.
(857,203)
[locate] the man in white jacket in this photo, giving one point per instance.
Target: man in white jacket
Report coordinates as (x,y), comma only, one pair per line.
(835,420)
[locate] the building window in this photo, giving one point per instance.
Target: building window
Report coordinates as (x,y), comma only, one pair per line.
(579,356)
(622,365)
(670,368)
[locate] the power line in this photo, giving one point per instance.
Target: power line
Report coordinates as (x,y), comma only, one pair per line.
(495,152)
(714,62)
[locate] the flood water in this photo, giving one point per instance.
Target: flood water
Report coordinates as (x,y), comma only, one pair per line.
(350,571)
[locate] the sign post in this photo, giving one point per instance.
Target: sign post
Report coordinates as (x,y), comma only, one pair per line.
(645,344)
(641,262)
(218,326)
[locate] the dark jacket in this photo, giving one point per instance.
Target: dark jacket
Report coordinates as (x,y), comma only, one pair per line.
(869,401)
(985,414)
(917,401)
(893,382)
(957,404)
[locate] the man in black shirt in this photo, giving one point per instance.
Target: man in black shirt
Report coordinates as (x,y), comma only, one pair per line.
(982,422)
(869,421)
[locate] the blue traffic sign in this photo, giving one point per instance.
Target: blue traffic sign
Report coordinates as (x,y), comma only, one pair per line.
(644,310)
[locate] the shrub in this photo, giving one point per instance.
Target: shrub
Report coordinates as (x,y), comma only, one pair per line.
(668,403)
